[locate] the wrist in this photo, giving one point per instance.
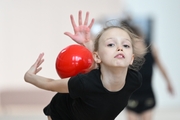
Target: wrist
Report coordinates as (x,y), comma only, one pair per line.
(89,45)
(27,76)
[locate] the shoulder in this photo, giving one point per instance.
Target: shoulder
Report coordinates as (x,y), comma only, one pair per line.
(133,73)
(82,79)
(80,83)
(91,78)
(95,73)
(134,77)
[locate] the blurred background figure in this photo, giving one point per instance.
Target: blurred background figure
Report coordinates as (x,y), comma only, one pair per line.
(142,102)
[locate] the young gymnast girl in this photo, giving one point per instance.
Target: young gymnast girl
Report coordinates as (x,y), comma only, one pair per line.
(103,92)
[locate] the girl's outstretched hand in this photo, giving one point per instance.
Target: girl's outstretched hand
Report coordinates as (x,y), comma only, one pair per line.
(35,68)
(81,32)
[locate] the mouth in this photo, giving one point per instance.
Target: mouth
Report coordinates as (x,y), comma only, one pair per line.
(120,56)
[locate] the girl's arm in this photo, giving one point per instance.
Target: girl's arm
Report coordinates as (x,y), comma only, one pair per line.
(43,82)
(82,32)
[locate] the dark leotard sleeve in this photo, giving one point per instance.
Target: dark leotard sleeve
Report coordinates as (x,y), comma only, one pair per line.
(75,86)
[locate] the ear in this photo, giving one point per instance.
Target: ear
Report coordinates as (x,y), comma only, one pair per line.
(132,59)
(96,57)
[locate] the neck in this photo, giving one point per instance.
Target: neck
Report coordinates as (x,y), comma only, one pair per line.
(113,79)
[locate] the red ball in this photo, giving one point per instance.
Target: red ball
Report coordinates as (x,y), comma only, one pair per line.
(72,60)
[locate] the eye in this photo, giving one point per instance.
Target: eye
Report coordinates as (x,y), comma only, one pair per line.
(111,44)
(126,46)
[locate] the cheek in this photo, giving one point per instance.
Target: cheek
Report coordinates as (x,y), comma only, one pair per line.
(104,54)
(101,52)
(131,59)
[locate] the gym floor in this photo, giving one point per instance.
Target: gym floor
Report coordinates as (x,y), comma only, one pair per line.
(35,113)
(27,105)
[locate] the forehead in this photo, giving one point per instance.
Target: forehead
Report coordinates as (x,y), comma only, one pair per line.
(115,33)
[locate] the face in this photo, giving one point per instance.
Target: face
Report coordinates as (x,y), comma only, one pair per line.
(115,49)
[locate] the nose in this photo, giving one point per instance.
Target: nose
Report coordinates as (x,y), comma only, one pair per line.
(119,49)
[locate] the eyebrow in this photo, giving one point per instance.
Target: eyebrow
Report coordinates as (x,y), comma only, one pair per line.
(128,40)
(123,39)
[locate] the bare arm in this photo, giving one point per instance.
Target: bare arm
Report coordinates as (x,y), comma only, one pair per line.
(162,69)
(43,82)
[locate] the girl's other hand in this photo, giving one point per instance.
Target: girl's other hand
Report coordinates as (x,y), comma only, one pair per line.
(35,68)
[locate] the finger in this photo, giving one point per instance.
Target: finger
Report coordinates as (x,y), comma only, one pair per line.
(39,58)
(86,18)
(69,34)
(39,69)
(80,17)
(73,22)
(91,24)
(40,62)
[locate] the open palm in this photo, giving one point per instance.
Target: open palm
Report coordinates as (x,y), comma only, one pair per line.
(81,32)
(35,68)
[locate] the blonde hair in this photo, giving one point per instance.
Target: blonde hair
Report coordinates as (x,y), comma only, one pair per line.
(139,49)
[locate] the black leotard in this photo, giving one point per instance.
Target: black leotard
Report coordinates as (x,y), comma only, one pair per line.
(88,99)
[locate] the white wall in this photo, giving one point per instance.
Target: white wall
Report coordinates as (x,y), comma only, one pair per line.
(28,27)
